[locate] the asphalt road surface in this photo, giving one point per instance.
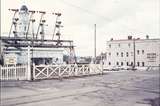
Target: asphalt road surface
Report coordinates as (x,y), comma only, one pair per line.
(126,88)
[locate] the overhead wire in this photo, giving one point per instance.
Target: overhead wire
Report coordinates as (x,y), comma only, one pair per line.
(93,13)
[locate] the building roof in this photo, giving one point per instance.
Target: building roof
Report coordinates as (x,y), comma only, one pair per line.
(123,40)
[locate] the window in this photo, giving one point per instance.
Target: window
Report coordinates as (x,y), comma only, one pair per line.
(131,63)
(117,63)
(142,63)
(119,45)
(137,63)
(129,45)
(109,63)
(127,54)
(121,54)
(109,45)
(121,63)
(109,54)
(137,51)
(117,53)
(127,64)
(142,51)
(151,57)
(25,28)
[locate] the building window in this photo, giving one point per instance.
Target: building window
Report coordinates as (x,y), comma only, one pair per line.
(119,45)
(142,63)
(127,64)
(109,63)
(105,56)
(131,53)
(109,54)
(127,54)
(151,57)
(137,63)
(131,63)
(25,28)
(121,63)
(117,53)
(121,54)
(142,51)
(109,45)
(117,63)
(137,51)
(129,45)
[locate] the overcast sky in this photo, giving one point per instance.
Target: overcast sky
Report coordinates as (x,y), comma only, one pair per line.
(114,19)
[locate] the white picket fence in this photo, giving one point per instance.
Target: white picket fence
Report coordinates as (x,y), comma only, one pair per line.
(60,71)
(13,72)
(22,72)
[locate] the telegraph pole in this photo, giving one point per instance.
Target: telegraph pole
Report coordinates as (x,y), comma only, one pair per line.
(94,43)
(134,53)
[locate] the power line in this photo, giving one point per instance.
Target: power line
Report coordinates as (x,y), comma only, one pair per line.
(94,13)
(86,10)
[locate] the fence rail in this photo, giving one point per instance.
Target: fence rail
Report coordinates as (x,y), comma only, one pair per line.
(13,72)
(60,71)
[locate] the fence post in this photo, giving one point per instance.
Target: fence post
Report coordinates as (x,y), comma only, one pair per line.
(0,73)
(29,65)
(7,71)
(84,71)
(102,66)
(59,71)
(34,71)
(15,71)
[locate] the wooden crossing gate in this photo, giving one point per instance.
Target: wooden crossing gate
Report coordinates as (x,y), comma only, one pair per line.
(14,72)
(60,71)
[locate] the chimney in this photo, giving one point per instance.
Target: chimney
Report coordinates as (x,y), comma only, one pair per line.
(147,36)
(129,37)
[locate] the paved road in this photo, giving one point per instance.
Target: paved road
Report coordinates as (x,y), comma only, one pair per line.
(127,88)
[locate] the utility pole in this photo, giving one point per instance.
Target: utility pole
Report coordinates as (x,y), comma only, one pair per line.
(29,63)
(94,43)
(134,53)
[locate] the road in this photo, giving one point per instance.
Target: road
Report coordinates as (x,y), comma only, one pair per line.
(126,88)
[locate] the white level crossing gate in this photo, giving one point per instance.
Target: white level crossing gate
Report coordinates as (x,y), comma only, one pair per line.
(14,72)
(60,71)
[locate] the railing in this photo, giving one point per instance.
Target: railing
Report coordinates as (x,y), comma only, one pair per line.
(60,71)
(13,72)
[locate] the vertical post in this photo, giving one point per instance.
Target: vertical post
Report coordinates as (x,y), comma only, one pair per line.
(15,72)
(0,73)
(83,70)
(29,64)
(12,22)
(134,51)
(59,71)
(7,71)
(34,73)
(101,63)
(94,43)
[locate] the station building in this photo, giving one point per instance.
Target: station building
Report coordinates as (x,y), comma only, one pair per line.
(129,52)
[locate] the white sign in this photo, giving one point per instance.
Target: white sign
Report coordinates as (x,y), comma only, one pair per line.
(10,59)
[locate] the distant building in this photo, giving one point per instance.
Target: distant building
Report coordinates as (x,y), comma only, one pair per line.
(84,60)
(126,52)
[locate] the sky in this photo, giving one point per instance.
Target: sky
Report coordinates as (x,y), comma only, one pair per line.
(115,19)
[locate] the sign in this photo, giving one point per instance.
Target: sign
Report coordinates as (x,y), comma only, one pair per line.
(151,57)
(10,59)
